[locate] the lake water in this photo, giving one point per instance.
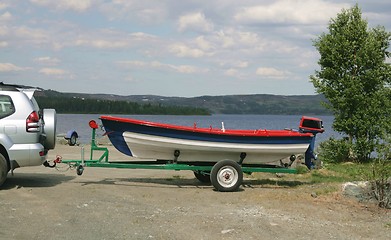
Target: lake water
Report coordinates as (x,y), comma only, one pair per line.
(79,122)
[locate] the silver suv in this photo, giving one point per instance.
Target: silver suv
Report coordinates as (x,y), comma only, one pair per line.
(26,132)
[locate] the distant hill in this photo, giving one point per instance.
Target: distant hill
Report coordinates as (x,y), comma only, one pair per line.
(229,104)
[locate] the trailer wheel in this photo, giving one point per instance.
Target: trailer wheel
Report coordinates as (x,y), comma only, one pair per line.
(79,170)
(72,140)
(226,176)
(3,169)
(202,176)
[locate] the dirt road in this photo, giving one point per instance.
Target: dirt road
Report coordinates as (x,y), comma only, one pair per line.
(42,203)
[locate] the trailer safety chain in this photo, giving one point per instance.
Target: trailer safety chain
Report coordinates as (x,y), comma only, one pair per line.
(59,167)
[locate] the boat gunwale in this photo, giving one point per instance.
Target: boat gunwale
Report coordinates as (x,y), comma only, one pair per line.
(214,131)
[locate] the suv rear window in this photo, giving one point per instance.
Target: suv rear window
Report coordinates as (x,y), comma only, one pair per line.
(6,106)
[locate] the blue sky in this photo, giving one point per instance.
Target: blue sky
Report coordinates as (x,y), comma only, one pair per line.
(169,47)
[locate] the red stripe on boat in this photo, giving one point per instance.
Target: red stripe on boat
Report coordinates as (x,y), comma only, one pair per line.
(235,132)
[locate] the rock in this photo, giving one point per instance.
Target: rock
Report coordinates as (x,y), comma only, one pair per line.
(227,231)
(360,190)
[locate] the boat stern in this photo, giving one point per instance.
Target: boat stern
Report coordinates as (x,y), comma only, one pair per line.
(314,126)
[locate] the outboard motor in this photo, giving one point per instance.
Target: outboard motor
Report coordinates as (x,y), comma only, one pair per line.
(314,126)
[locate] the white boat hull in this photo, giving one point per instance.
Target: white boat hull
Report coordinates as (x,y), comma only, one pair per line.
(162,148)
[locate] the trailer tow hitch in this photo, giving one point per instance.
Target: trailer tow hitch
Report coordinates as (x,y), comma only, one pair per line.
(55,161)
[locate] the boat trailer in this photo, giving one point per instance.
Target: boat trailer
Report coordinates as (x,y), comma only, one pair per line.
(225,175)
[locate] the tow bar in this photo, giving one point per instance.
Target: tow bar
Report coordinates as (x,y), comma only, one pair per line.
(55,161)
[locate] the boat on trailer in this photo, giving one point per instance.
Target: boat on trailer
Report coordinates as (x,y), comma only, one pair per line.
(216,156)
(153,140)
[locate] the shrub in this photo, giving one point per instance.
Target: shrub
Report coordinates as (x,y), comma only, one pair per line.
(335,151)
(380,176)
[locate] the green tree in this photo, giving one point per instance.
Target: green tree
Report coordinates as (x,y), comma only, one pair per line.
(355,78)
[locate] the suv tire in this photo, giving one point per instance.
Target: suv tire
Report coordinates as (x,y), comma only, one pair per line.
(3,169)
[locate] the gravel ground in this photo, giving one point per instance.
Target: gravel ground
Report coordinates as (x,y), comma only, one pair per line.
(42,203)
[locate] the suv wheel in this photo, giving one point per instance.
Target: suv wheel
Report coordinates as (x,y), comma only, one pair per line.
(3,169)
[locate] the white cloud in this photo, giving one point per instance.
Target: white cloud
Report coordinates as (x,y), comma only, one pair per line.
(62,35)
(133,63)
(231,72)
(194,22)
(147,12)
(149,15)
(9,67)
(3,6)
(32,35)
(142,36)
(234,64)
(163,66)
(290,12)
(47,61)
(181,50)
(271,72)
(234,38)
(248,38)
(101,43)
(3,44)
(109,39)
(75,5)
(179,68)
(186,69)
(227,40)
(203,43)
(242,64)
(5,16)
(53,71)
(3,30)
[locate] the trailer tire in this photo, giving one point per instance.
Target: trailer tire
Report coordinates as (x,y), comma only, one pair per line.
(3,169)
(79,170)
(202,176)
(226,176)
(73,139)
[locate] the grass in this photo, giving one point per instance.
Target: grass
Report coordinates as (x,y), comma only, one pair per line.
(340,173)
(326,177)
(326,180)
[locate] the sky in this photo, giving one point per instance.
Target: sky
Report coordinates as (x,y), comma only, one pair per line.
(183,48)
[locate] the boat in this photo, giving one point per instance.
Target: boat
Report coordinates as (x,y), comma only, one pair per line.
(190,144)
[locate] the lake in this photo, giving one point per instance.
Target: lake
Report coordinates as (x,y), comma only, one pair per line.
(79,123)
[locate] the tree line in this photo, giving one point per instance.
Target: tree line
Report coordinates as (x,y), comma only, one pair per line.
(96,106)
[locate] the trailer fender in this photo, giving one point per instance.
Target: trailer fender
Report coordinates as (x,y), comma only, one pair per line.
(72,137)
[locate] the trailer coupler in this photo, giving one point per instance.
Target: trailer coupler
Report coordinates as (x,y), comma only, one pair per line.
(55,161)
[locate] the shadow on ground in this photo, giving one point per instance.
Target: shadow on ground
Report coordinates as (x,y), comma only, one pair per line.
(34,180)
(188,182)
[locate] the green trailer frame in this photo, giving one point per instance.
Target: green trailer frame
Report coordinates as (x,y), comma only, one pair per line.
(225,175)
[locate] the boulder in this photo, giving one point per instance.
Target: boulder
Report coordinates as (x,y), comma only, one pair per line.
(360,190)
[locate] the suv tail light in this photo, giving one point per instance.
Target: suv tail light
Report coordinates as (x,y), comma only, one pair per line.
(32,122)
